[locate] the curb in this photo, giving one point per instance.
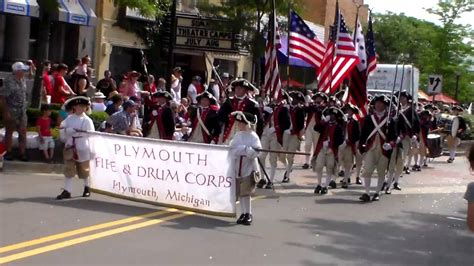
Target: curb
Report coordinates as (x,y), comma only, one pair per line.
(31,167)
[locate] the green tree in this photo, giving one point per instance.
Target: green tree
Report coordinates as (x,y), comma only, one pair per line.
(49,7)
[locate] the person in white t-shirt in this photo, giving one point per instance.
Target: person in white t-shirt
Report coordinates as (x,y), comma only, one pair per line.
(193,89)
(176,80)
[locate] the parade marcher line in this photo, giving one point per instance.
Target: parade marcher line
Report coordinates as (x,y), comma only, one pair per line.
(91,237)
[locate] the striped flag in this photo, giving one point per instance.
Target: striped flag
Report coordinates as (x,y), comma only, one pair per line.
(340,57)
(304,44)
(358,85)
(371,51)
(272,82)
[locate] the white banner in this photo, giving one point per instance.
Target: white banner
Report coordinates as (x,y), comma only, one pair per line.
(184,175)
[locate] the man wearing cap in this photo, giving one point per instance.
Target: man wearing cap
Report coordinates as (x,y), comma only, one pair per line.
(293,136)
(331,132)
(99,102)
(348,149)
(125,122)
(76,153)
(458,127)
(314,112)
(193,89)
(176,80)
(378,137)
(204,120)
(13,99)
(162,119)
(240,102)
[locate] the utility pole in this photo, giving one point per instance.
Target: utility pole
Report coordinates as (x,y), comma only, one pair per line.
(458,76)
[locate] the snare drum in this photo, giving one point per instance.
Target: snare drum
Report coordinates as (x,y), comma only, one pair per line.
(434,146)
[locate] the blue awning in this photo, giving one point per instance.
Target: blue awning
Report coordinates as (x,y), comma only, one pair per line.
(76,12)
(20,7)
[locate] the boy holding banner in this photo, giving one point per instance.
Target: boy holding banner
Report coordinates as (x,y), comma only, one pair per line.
(244,144)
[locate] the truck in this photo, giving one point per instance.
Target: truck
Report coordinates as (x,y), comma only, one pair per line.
(381,80)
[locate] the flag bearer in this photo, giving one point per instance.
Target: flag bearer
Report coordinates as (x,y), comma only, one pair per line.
(313,116)
(349,146)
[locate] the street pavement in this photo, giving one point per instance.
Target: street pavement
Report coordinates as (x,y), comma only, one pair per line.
(424,224)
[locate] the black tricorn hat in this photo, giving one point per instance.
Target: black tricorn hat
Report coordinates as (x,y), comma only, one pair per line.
(207,95)
(457,108)
(296,95)
(405,94)
(333,111)
(77,100)
(248,118)
(164,94)
(243,83)
(353,107)
(381,98)
(321,95)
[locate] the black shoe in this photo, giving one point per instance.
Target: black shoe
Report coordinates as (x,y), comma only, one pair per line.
(407,170)
(450,160)
(344,185)
(317,190)
(64,195)
(305,166)
(396,186)
(24,158)
(87,192)
(365,197)
(349,180)
(418,168)
(414,167)
(388,191)
(425,165)
(8,157)
(376,197)
(333,184)
(286,179)
(247,219)
(358,181)
(241,218)
(341,173)
(385,184)
(269,185)
(261,183)
(324,190)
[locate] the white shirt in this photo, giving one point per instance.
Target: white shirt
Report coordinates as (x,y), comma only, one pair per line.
(99,107)
(215,90)
(242,146)
(192,93)
(79,139)
(176,90)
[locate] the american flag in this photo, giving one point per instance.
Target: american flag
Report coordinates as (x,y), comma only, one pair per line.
(304,44)
(340,57)
(358,85)
(272,82)
(371,51)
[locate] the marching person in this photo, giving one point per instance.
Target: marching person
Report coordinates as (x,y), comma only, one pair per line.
(243,145)
(409,130)
(162,119)
(313,116)
(457,129)
(204,120)
(349,146)
(331,136)
(277,120)
(377,140)
(425,127)
(240,102)
(293,136)
(77,154)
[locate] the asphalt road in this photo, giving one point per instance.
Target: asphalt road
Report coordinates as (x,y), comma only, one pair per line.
(424,224)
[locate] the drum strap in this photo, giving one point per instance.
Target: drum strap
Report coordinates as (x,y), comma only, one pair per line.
(377,127)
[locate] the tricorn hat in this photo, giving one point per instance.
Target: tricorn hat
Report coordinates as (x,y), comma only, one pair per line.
(321,95)
(296,95)
(333,111)
(243,83)
(457,108)
(405,94)
(353,107)
(207,95)
(164,94)
(381,98)
(248,118)
(77,100)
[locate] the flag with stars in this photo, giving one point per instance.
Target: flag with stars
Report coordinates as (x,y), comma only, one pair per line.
(358,85)
(304,44)
(371,51)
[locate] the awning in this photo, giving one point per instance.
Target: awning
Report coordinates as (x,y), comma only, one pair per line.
(76,12)
(20,7)
(443,98)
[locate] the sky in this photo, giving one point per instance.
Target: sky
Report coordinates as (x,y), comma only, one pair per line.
(412,8)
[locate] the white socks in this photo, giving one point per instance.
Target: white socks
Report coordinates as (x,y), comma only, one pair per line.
(306,159)
(272,173)
(452,154)
(245,204)
(367,184)
(68,184)
(86,181)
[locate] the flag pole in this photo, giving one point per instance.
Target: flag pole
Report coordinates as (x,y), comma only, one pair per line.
(288,48)
(355,35)
(272,54)
(336,33)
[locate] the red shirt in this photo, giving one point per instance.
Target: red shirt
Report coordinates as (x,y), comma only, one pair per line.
(47,83)
(58,95)
(44,125)
(149,101)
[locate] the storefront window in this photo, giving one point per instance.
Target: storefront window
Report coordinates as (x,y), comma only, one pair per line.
(190,6)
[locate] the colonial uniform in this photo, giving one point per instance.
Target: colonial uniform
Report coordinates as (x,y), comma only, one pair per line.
(244,145)
(244,104)
(292,136)
(313,116)
(378,138)
(331,132)
(348,149)
(76,151)
(162,119)
(204,121)
(458,128)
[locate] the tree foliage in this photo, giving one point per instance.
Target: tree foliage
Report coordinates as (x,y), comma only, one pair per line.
(445,49)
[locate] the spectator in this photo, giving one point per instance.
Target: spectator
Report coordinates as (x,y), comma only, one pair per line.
(61,90)
(177,118)
(130,87)
(176,80)
(161,84)
(469,196)
(63,114)
(13,99)
(193,89)
(125,122)
(98,104)
(116,105)
(183,108)
(213,88)
(47,82)
(81,83)
(43,125)
(107,85)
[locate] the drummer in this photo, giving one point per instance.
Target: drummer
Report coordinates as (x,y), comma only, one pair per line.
(457,130)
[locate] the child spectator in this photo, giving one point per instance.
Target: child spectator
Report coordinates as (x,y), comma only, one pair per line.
(46,142)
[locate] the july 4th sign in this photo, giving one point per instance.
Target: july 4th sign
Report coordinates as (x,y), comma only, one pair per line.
(188,176)
(435,84)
